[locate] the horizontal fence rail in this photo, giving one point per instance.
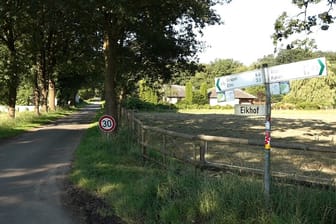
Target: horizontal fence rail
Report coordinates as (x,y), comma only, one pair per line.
(296,162)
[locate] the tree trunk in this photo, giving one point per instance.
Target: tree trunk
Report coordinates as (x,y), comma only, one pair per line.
(52,95)
(13,82)
(44,94)
(36,95)
(42,71)
(111,101)
(12,99)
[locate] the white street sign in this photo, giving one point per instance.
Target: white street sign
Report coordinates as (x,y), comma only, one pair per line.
(298,70)
(280,73)
(250,78)
(248,110)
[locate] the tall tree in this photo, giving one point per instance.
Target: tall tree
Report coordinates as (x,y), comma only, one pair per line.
(204,92)
(47,27)
(13,16)
(155,34)
(221,67)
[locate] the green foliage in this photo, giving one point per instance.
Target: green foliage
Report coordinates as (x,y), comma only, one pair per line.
(258,91)
(147,93)
(189,94)
(135,103)
(311,92)
(305,20)
(86,94)
(25,121)
(25,94)
(199,99)
(204,91)
(286,56)
(218,68)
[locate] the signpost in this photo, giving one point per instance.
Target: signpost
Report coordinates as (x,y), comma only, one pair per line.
(267,145)
(107,123)
(276,80)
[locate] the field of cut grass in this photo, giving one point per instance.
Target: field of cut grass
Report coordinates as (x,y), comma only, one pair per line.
(313,127)
(308,128)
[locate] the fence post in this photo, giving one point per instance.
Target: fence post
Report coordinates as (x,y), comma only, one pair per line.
(138,132)
(132,120)
(143,146)
(203,150)
(164,150)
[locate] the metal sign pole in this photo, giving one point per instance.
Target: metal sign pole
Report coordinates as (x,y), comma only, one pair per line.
(267,150)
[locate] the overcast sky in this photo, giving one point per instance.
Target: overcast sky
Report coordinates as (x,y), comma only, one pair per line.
(246,33)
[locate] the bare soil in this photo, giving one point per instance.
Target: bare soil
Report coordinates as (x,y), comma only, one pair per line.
(88,208)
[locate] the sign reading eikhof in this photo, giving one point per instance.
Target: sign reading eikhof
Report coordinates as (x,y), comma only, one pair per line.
(245,109)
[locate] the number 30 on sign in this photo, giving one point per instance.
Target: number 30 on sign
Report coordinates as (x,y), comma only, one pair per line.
(107,123)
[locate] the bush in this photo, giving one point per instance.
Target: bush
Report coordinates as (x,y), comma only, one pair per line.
(86,93)
(308,106)
(138,104)
(283,106)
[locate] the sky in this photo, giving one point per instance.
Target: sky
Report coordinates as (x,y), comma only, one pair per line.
(246,33)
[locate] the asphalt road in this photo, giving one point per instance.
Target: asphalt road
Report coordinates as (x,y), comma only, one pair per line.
(33,167)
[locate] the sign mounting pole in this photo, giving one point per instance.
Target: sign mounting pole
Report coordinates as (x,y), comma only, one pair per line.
(267,150)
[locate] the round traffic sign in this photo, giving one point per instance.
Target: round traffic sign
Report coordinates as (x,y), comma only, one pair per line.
(107,123)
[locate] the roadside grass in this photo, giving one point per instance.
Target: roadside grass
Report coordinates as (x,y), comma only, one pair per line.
(143,192)
(25,121)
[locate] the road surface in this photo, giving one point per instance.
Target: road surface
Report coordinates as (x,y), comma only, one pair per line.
(33,167)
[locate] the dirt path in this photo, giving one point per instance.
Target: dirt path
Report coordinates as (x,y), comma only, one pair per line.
(33,167)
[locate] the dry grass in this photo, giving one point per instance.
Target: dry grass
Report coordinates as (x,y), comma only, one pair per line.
(316,128)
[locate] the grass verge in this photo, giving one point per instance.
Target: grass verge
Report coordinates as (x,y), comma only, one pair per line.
(141,192)
(25,121)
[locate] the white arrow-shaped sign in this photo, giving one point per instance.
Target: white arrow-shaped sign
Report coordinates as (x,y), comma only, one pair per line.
(298,70)
(250,78)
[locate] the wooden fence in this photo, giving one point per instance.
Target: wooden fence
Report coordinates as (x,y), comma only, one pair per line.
(302,163)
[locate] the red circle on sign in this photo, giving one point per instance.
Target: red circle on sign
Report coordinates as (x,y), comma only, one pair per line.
(107,123)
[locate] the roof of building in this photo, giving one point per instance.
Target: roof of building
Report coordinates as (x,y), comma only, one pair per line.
(175,91)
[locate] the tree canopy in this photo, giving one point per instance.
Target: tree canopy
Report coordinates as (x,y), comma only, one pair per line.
(150,37)
(61,44)
(313,14)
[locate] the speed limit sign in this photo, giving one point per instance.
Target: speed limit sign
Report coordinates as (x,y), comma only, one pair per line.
(107,123)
